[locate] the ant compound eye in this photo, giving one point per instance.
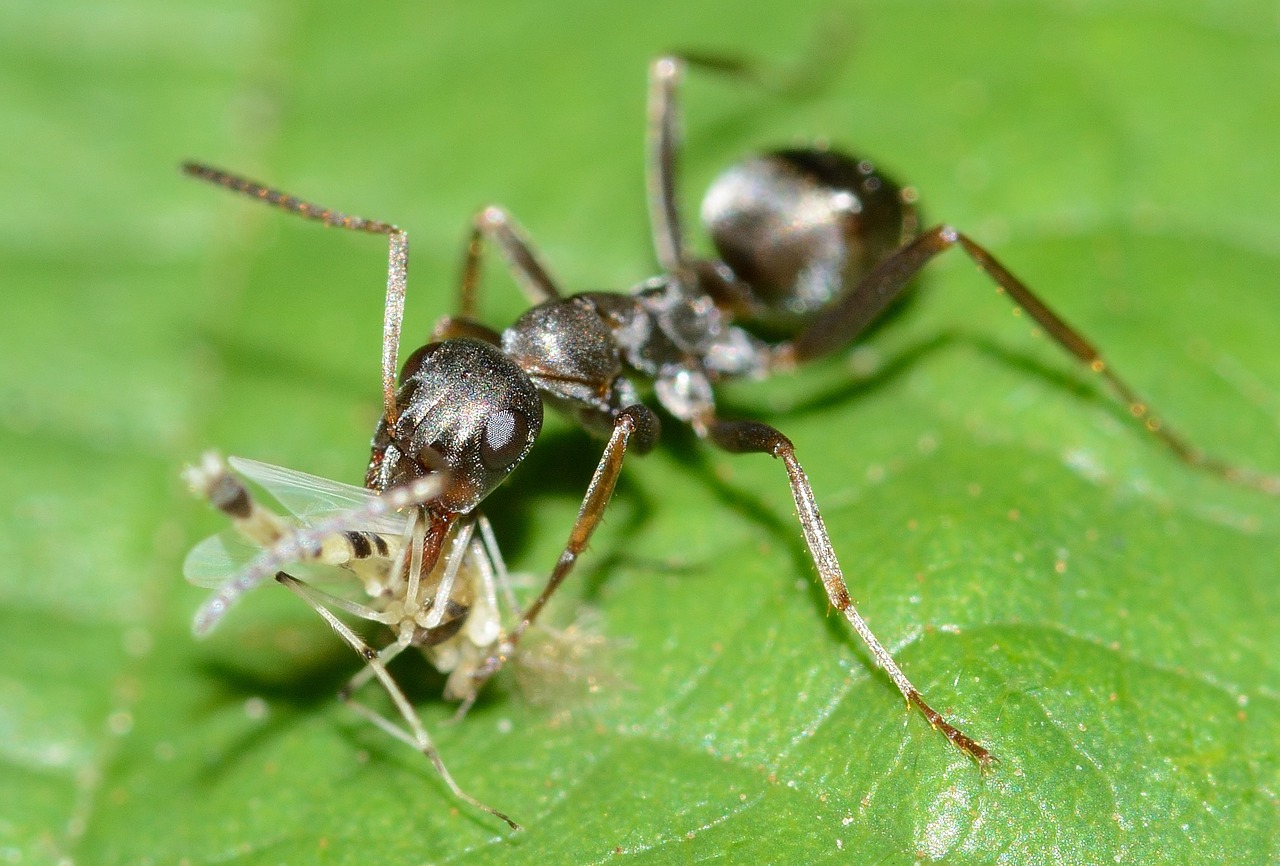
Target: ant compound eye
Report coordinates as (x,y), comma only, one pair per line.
(506,434)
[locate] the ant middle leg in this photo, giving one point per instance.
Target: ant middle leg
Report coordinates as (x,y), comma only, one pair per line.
(663,129)
(850,313)
(495,225)
(747,437)
(662,148)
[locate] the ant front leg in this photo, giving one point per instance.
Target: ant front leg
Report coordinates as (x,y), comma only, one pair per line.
(849,314)
(637,423)
(746,437)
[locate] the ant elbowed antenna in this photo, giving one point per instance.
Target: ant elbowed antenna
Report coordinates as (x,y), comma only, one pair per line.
(810,242)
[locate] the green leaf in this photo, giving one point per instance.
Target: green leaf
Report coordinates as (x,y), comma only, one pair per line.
(1100,615)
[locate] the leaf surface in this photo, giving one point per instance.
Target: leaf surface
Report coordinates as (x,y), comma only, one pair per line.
(1101,616)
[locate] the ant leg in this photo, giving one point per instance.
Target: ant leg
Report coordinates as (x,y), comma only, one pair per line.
(746,437)
(636,421)
(397,260)
(662,134)
(502,577)
(690,274)
(420,739)
(850,313)
(662,143)
(495,225)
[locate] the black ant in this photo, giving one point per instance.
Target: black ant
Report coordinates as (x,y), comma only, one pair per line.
(810,242)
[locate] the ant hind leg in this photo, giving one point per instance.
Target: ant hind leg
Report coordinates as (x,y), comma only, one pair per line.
(846,317)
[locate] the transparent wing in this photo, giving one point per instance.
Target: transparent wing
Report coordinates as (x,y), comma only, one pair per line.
(305,542)
(211,562)
(310,497)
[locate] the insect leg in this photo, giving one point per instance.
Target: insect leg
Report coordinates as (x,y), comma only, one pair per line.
(662,145)
(419,739)
(636,421)
(397,259)
(483,627)
(458,551)
(346,694)
(662,152)
(745,437)
(495,225)
(849,314)
(501,577)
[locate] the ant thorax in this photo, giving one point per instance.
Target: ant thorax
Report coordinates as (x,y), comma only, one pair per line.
(579,349)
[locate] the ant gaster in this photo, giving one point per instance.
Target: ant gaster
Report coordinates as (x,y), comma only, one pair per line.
(810,242)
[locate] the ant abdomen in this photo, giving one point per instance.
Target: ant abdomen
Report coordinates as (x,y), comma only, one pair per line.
(798,226)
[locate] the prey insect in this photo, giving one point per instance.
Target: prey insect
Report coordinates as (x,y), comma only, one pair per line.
(449,608)
(811,243)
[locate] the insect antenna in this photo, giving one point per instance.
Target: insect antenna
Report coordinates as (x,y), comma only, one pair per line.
(397,262)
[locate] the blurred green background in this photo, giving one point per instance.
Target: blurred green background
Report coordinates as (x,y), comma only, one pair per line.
(1104,618)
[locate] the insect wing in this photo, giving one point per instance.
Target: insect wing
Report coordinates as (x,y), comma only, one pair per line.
(306,542)
(211,562)
(310,497)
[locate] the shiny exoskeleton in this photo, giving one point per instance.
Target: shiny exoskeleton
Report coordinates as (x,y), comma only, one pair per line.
(811,243)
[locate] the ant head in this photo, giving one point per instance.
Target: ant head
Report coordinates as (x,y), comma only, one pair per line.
(464,409)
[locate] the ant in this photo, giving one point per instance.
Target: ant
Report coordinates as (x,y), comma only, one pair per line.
(810,242)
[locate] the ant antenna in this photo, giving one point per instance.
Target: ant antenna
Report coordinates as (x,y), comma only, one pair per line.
(397,265)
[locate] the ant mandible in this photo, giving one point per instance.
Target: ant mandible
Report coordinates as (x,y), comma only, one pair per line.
(810,242)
